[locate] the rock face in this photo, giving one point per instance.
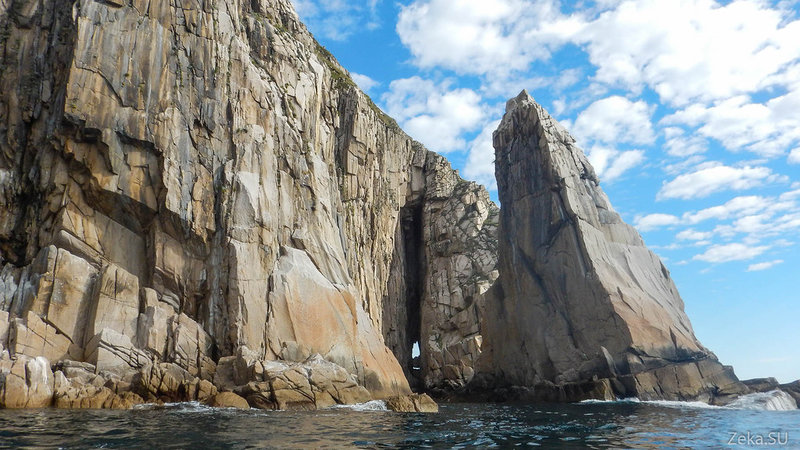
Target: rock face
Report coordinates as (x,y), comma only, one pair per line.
(580,297)
(179,180)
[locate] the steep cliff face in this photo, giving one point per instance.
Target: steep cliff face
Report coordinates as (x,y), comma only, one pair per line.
(580,297)
(181,180)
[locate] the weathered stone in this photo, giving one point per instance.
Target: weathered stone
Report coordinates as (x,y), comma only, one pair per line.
(792,389)
(110,350)
(579,296)
(228,400)
(116,303)
(169,382)
(190,347)
(762,384)
(4,326)
(33,337)
(153,328)
(313,384)
(245,172)
(420,403)
(73,393)
(26,383)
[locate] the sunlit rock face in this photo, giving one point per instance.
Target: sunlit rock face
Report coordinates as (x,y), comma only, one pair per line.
(182,179)
(580,297)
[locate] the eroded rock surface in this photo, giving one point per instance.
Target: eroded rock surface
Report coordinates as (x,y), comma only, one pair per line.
(179,180)
(580,297)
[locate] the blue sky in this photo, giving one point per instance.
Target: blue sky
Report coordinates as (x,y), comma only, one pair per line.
(688,109)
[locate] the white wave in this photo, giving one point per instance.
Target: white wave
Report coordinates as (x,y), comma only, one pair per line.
(776,400)
(181,406)
(373,405)
(763,401)
(664,403)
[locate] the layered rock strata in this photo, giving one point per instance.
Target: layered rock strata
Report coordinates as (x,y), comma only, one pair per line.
(582,309)
(180,180)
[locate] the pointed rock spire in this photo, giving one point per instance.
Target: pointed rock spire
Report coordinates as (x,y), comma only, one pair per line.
(580,297)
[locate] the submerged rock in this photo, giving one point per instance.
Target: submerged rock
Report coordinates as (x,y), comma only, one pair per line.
(421,403)
(228,400)
(580,298)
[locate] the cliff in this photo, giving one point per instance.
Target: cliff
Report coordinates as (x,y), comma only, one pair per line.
(198,182)
(582,309)
(199,204)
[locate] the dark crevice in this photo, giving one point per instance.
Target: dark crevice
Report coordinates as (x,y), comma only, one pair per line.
(402,306)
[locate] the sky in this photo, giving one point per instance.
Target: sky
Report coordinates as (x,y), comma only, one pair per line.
(689,111)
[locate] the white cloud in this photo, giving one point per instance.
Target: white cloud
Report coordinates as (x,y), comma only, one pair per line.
(338,19)
(480,161)
(693,235)
(653,221)
(731,252)
(794,156)
(434,113)
(764,265)
(364,82)
(714,177)
(763,128)
(691,50)
(750,204)
(610,164)
(678,144)
(480,37)
(615,119)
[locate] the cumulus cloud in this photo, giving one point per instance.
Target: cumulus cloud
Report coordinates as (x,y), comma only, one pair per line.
(434,113)
(680,145)
(720,52)
(615,119)
(480,161)
(714,177)
(481,37)
(653,221)
(610,164)
(363,81)
(794,156)
(764,265)
(738,123)
(742,205)
(731,252)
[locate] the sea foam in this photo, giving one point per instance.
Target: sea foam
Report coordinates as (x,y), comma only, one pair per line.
(776,400)
(374,405)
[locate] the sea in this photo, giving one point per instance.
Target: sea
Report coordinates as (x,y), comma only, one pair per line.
(593,424)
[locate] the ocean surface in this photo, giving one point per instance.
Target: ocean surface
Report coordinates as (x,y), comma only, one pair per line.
(623,424)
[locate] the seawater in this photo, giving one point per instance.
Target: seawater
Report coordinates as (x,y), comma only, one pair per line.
(623,424)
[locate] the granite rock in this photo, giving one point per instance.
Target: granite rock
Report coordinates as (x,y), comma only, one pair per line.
(579,297)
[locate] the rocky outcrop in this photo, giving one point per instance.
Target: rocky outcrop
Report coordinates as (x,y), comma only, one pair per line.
(414,403)
(228,400)
(312,384)
(580,298)
(181,180)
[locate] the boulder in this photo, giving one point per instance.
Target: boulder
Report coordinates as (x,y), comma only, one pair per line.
(111,350)
(420,403)
(75,394)
(26,383)
(312,384)
(762,384)
(33,337)
(228,400)
(168,382)
(190,347)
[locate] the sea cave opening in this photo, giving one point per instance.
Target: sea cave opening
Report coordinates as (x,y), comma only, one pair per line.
(402,306)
